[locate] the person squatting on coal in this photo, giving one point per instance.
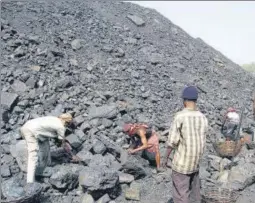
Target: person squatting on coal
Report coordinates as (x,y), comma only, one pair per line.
(187,136)
(144,139)
(37,132)
(230,124)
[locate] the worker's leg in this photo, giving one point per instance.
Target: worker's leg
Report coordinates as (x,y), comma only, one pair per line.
(157,157)
(149,156)
(181,187)
(195,195)
(32,148)
(43,156)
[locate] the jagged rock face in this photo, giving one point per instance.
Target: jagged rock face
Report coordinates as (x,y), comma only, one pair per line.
(108,63)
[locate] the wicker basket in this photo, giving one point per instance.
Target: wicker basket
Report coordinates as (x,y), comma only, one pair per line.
(31,196)
(228,148)
(217,194)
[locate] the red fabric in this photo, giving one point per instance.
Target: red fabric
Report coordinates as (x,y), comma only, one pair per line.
(153,140)
(130,129)
(231,109)
(127,127)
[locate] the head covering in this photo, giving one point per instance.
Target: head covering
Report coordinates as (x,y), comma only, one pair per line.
(127,127)
(130,129)
(231,109)
(190,93)
(66,117)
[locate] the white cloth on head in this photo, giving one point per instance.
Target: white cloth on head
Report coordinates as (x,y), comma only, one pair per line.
(233,117)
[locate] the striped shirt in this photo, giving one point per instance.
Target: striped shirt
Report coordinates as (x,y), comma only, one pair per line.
(187,136)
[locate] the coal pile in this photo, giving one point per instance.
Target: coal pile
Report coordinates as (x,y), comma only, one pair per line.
(109,63)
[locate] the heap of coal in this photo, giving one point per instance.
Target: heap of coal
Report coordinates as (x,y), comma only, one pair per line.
(109,63)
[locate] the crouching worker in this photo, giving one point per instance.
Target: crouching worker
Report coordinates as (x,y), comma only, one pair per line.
(145,140)
(37,132)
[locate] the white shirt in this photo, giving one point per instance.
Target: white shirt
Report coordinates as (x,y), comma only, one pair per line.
(233,117)
(46,127)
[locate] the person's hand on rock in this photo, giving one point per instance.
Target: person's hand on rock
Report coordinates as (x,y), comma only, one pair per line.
(67,147)
(75,159)
(131,151)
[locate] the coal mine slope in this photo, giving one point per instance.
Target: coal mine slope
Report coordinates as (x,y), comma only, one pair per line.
(107,62)
(150,62)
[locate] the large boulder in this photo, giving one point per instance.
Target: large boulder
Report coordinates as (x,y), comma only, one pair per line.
(104,199)
(19,86)
(111,146)
(98,159)
(106,111)
(74,140)
(125,177)
(134,165)
(8,100)
(98,147)
(136,20)
(87,198)
(134,192)
(94,179)
(19,152)
(76,44)
(86,156)
(214,162)
(5,171)
(65,176)
(242,176)
(12,188)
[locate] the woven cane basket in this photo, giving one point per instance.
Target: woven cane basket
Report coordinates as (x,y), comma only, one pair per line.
(216,194)
(228,148)
(30,197)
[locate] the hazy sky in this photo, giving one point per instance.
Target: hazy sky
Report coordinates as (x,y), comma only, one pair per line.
(228,26)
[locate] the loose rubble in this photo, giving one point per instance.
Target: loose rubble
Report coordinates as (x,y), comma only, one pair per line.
(109,63)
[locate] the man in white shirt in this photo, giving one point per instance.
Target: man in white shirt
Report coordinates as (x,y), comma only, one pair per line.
(37,132)
(231,122)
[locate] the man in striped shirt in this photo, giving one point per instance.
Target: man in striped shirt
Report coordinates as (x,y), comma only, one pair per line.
(187,137)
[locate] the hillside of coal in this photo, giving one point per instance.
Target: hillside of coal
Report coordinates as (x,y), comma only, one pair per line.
(109,63)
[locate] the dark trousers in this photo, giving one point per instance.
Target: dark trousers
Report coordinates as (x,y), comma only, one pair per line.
(230,131)
(186,187)
(149,156)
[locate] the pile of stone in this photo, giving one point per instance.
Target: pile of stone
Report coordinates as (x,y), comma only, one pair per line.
(108,63)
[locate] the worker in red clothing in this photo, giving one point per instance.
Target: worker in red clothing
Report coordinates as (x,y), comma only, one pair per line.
(146,140)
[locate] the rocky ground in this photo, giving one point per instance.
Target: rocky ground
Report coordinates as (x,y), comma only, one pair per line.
(109,63)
